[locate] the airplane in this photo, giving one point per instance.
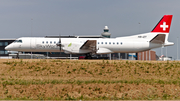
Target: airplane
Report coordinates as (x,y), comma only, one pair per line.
(158,37)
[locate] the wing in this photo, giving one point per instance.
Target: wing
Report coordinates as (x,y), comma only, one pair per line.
(89,44)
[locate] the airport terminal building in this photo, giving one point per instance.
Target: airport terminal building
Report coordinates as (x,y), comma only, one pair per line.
(3,44)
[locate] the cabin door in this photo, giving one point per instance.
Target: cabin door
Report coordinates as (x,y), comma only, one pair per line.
(33,43)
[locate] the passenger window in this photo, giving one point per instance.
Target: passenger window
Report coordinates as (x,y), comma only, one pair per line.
(113,42)
(117,43)
(101,42)
(109,42)
(98,42)
(54,42)
(43,42)
(105,42)
(47,42)
(50,42)
(121,43)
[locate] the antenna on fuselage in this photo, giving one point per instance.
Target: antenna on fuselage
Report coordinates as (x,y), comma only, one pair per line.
(31,34)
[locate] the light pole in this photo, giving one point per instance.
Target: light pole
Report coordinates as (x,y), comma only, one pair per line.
(177,48)
(166,53)
(140,52)
(31,33)
(162,56)
(139,26)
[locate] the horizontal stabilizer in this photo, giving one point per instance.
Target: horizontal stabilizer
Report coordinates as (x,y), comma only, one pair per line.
(168,44)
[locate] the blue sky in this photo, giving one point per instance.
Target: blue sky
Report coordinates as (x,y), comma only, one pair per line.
(87,17)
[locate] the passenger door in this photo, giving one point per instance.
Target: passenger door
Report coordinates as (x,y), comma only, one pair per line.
(33,43)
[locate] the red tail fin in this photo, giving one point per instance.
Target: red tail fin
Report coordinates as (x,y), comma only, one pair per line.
(164,24)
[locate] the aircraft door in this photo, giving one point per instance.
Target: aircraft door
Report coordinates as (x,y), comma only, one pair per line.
(33,43)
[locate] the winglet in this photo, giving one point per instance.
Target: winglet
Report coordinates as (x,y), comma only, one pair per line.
(164,24)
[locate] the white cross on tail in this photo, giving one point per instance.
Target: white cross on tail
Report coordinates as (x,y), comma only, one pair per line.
(164,26)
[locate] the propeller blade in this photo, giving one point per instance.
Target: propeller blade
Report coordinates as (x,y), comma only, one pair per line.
(59,43)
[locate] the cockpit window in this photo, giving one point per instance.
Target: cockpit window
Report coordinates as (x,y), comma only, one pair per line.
(18,41)
(15,41)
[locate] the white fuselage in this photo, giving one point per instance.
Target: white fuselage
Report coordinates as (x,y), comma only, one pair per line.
(129,44)
(156,38)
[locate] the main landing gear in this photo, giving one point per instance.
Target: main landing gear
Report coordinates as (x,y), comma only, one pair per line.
(88,56)
(94,56)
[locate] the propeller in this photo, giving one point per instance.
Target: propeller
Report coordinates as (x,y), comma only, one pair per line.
(59,43)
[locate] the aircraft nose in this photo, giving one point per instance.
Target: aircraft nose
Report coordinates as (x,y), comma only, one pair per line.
(9,47)
(6,48)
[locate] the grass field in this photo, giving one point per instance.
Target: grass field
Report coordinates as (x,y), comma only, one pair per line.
(89,80)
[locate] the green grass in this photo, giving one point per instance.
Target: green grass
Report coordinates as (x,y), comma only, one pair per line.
(42,82)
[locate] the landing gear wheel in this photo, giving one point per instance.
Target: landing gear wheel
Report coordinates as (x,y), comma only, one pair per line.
(88,56)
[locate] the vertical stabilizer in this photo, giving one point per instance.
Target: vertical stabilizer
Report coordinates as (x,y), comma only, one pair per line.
(162,29)
(164,24)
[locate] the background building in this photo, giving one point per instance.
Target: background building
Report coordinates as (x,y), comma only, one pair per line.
(3,44)
(147,55)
